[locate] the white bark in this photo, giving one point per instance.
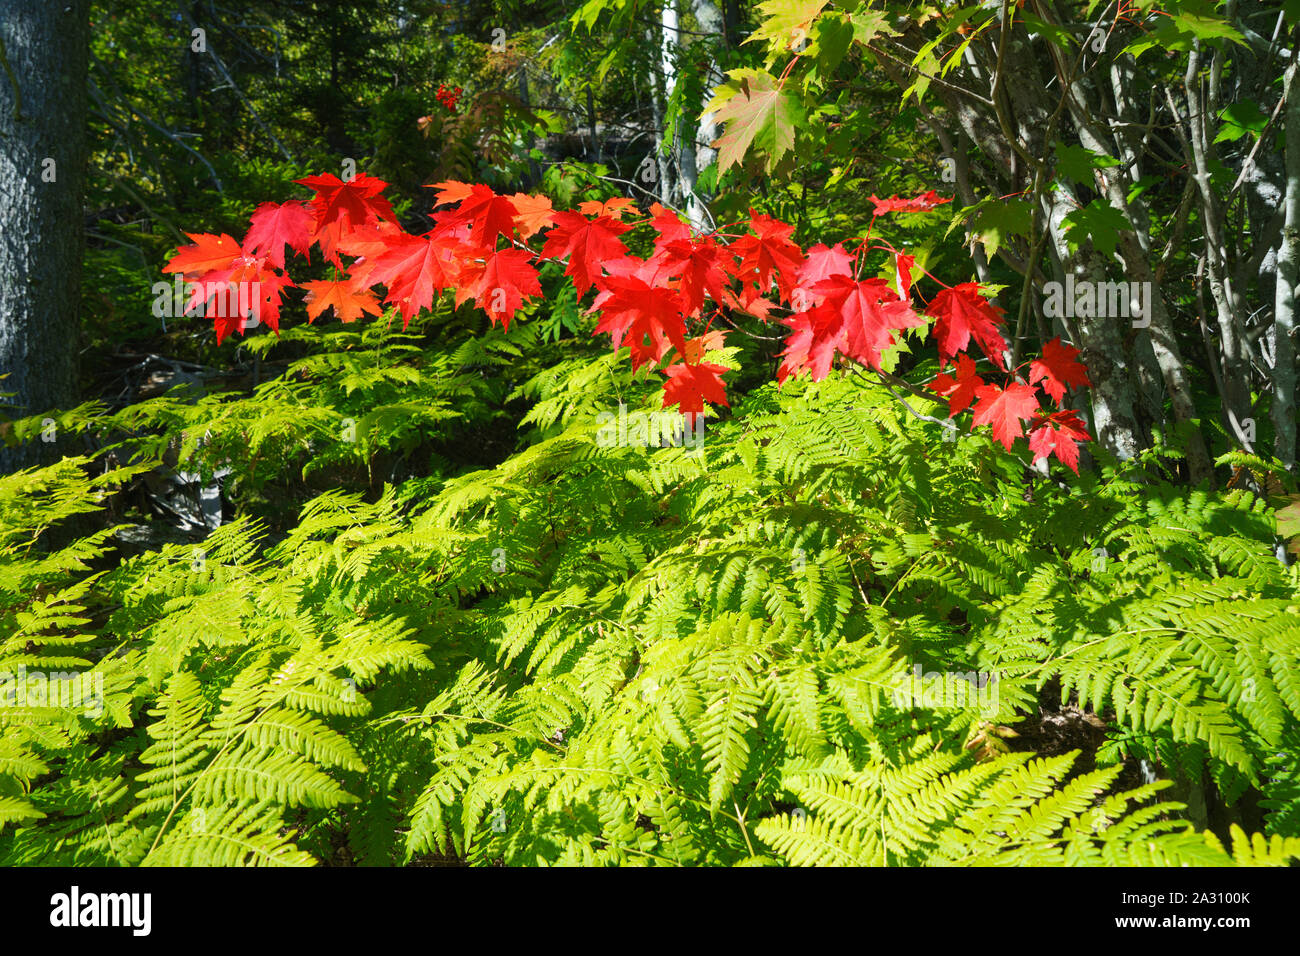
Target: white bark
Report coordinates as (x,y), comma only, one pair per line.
(709,19)
(662,87)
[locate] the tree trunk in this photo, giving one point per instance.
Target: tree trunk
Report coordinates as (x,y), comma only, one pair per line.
(1288,284)
(698,153)
(45,49)
(665,78)
(1109,366)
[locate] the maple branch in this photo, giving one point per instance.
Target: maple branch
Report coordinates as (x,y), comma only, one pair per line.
(636,186)
(969,94)
(632,301)
(889,381)
(736,326)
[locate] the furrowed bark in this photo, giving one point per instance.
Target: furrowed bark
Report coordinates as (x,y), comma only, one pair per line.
(42,171)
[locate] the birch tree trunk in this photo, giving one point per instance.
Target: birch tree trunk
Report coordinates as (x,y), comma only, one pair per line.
(698,153)
(661,89)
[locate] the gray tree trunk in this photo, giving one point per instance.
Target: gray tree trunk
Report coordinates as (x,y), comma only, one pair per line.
(1109,365)
(1288,285)
(42,171)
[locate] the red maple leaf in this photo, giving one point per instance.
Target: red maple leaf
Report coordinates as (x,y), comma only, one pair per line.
(822,262)
(614,208)
(858,319)
(629,306)
(532,214)
(499,284)
(962,314)
(368,243)
(701,345)
(960,391)
(701,265)
(767,252)
(268,288)
(668,224)
(453,231)
(332,237)
(903,264)
(870,311)
(488,214)
(222,308)
(348,302)
(922,203)
(351,203)
(1058,367)
(588,243)
(689,386)
(810,346)
(750,301)
(451,190)
(209,254)
(1005,409)
(415,269)
(1059,432)
(248,289)
(276,225)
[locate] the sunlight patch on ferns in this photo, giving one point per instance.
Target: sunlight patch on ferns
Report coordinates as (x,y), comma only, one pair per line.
(604,655)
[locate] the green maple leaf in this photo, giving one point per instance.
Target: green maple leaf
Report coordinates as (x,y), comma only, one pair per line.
(992,221)
(758,113)
(1180,31)
(834,34)
(786,22)
(1099,221)
(1240,119)
(869,24)
(1076,163)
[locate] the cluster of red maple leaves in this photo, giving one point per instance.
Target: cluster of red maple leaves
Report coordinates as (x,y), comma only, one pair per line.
(483,246)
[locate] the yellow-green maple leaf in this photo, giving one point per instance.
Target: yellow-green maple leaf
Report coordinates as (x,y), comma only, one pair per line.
(758,113)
